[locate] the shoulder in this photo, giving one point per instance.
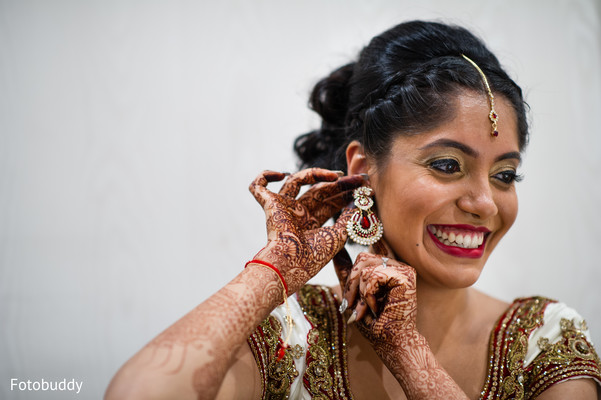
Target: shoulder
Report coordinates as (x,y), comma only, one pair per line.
(559,321)
(538,343)
(559,346)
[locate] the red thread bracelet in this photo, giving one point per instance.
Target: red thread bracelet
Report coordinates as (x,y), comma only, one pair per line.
(282,351)
(272,267)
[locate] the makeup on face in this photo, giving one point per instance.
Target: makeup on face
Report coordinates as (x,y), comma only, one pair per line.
(459,240)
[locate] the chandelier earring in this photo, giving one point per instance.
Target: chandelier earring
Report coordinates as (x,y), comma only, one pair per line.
(364,227)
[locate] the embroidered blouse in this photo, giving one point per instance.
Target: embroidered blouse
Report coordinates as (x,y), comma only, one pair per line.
(536,343)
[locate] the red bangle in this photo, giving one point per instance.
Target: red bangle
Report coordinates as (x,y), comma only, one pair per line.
(272,267)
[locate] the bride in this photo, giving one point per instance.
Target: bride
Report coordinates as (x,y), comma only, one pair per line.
(423,136)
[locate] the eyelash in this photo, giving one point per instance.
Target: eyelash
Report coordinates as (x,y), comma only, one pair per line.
(443,164)
(509,177)
(450,166)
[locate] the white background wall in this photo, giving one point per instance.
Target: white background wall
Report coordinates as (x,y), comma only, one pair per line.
(129,131)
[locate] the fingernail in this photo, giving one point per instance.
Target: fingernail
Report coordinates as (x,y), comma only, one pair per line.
(339,173)
(343,306)
(352,318)
(365,176)
(286,173)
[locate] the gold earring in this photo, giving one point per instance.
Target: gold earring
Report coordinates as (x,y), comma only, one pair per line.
(364,227)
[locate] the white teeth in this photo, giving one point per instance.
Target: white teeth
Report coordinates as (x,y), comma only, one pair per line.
(463,240)
(467,241)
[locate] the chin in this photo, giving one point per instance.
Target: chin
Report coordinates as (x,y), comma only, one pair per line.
(465,280)
(457,277)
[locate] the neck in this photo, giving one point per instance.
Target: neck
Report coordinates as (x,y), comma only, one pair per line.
(441,311)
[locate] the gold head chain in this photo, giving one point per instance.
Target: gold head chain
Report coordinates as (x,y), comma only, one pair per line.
(493,116)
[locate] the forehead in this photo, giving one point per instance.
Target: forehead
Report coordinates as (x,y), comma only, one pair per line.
(469,124)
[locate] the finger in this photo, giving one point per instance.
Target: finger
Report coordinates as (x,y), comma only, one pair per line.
(372,303)
(325,199)
(369,287)
(343,264)
(258,186)
(359,311)
(340,224)
(268,176)
(310,176)
(351,288)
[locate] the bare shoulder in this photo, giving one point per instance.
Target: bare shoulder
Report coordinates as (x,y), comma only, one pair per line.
(578,389)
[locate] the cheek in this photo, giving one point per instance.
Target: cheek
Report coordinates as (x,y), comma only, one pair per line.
(508,209)
(404,209)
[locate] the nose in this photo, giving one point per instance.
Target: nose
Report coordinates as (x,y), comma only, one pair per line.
(478,199)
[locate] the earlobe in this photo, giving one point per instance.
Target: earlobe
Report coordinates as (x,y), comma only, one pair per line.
(356,161)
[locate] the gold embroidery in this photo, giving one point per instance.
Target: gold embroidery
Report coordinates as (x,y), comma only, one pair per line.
(508,346)
(326,374)
(297,351)
(571,356)
(277,376)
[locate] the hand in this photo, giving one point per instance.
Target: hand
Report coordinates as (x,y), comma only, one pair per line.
(383,295)
(390,294)
(297,244)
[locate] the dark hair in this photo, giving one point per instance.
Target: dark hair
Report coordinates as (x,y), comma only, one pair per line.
(401,84)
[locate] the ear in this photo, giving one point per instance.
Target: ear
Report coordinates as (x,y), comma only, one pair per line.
(356,161)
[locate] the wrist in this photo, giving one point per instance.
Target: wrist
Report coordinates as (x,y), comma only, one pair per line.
(264,283)
(273,268)
(268,265)
(294,276)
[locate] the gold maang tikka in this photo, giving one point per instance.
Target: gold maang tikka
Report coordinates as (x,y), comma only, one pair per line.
(493,116)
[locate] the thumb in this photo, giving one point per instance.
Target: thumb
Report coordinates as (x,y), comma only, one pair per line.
(342,260)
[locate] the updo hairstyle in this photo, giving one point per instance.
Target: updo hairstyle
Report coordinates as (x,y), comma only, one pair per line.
(403,83)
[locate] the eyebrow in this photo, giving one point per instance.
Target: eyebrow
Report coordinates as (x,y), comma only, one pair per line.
(468,150)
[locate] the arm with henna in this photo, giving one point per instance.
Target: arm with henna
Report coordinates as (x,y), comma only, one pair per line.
(386,316)
(191,358)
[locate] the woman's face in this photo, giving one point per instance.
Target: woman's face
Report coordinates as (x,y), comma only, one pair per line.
(446,197)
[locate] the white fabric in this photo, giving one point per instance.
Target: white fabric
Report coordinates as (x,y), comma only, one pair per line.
(551,328)
(300,330)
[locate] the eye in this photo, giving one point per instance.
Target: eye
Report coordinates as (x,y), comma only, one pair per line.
(446,166)
(508,177)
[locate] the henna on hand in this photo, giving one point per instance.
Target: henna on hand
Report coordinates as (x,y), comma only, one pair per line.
(385,313)
(297,244)
(191,358)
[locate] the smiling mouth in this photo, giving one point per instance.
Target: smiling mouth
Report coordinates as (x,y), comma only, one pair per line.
(459,236)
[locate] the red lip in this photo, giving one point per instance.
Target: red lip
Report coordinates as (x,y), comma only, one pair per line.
(459,251)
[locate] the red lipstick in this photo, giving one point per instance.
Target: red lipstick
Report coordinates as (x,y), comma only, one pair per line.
(446,238)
